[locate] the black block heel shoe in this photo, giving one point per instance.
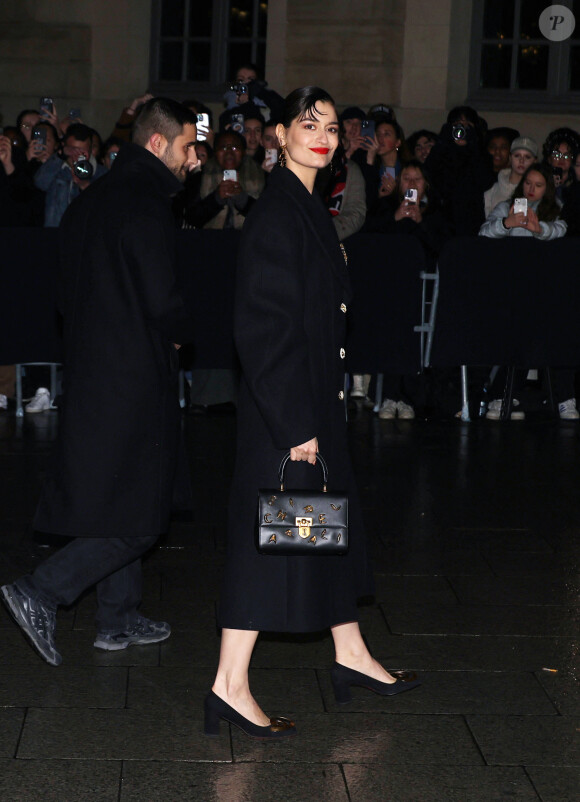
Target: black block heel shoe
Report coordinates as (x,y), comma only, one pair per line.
(216,709)
(343,677)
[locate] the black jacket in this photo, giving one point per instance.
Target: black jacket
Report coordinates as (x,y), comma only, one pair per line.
(114,463)
(292,295)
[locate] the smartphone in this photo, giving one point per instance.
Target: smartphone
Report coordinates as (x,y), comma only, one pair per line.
(367,128)
(46,106)
(520,205)
(202,127)
(112,154)
(230,175)
(411,196)
(238,123)
(39,135)
(271,156)
(74,114)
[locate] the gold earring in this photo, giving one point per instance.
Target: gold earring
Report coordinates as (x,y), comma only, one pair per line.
(282,156)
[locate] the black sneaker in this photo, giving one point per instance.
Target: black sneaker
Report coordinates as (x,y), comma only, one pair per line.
(141,633)
(36,621)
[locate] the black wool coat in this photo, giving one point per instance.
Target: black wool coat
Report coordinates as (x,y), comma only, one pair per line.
(114,464)
(291,300)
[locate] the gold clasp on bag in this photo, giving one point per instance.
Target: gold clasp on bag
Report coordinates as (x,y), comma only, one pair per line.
(304,525)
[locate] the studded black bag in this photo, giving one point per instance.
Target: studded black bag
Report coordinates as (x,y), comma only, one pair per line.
(302,522)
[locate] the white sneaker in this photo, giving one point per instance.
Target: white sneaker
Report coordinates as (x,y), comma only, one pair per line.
(494,410)
(388,409)
(3,401)
(358,389)
(567,410)
(405,411)
(40,402)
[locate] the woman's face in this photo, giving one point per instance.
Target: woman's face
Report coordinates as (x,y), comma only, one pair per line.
(229,153)
(387,139)
(27,124)
(202,153)
(412,178)
(499,148)
(561,156)
(423,148)
(310,143)
(534,186)
(520,160)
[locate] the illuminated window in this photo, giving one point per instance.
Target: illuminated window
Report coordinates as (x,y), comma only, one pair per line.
(197,46)
(513,64)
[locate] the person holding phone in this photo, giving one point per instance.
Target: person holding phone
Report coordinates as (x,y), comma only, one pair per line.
(534,212)
(231,181)
(384,154)
(523,152)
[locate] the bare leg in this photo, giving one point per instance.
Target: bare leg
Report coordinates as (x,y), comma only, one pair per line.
(351,651)
(231,682)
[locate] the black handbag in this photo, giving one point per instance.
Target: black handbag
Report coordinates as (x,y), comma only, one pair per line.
(300,522)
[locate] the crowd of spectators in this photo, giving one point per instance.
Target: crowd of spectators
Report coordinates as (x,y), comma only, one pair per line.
(461,181)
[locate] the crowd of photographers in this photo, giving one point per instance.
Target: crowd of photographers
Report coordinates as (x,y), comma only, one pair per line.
(464,180)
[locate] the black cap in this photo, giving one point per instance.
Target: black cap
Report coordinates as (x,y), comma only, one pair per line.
(352,113)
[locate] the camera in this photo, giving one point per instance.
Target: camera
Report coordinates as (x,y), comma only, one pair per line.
(367,129)
(459,132)
(83,169)
(238,123)
(411,196)
(240,88)
(46,107)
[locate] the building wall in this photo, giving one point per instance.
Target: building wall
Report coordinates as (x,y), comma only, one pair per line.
(92,54)
(411,54)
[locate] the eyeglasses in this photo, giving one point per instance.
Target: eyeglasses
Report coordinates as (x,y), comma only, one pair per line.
(27,126)
(557,155)
(229,147)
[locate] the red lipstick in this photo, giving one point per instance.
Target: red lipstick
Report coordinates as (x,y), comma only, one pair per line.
(320,150)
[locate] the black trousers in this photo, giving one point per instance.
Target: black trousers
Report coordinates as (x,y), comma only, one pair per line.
(112,564)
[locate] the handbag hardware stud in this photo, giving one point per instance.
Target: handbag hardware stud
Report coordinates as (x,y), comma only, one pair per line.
(282,515)
(272,500)
(312,539)
(304,525)
(322,518)
(334,507)
(309,508)
(272,539)
(323,535)
(268,518)
(289,533)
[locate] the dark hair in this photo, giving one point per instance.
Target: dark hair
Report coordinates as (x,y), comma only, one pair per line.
(417,135)
(204,143)
(301,104)
(248,65)
(110,142)
(404,154)
(548,208)
(164,116)
(470,114)
(199,108)
(79,131)
(567,135)
(23,114)
(230,132)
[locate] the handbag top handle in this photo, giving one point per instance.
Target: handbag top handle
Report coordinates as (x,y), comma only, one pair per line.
(319,459)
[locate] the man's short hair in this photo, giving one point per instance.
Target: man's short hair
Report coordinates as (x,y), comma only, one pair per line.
(161,115)
(79,131)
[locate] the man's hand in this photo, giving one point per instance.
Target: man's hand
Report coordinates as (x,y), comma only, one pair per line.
(306,452)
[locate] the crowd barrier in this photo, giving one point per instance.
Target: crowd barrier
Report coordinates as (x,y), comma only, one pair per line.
(501,302)
(386,302)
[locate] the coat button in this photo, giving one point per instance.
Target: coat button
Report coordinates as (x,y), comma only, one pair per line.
(343,308)
(341,396)
(342,353)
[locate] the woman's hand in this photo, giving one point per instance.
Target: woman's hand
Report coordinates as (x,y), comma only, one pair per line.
(410,211)
(388,184)
(306,452)
(355,143)
(533,222)
(228,189)
(371,146)
(518,220)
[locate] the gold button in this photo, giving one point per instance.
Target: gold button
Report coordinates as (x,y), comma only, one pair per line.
(341,396)
(342,353)
(343,308)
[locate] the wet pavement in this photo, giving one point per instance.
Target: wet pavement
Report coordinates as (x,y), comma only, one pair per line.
(475,533)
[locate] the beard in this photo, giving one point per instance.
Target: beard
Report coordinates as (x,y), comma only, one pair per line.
(172,164)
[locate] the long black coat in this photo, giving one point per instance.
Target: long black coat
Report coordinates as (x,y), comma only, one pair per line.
(291,299)
(114,464)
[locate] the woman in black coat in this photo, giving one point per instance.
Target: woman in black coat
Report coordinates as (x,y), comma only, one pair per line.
(292,296)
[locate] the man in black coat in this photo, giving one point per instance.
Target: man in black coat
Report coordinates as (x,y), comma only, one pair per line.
(110,487)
